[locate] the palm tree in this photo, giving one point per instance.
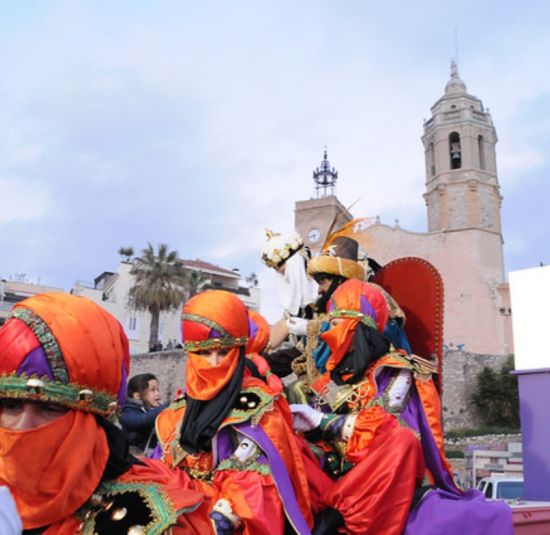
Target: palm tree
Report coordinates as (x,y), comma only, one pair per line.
(159,285)
(195,281)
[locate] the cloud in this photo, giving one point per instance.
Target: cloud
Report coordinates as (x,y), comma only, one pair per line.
(517,162)
(199,124)
(22,201)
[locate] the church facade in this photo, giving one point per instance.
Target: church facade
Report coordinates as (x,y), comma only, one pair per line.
(464,238)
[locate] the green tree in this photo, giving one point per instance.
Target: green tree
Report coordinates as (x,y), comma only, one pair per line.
(126,253)
(195,281)
(496,398)
(159,284)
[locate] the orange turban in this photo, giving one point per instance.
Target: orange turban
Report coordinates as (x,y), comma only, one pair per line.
(66,350)
(259,332)
(354,301)
(214,319)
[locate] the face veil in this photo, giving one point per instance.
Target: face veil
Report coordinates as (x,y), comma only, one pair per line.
(64,350)
(212,320)
(356,340)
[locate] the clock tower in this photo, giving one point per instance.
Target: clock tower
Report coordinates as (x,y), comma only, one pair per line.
(313,218)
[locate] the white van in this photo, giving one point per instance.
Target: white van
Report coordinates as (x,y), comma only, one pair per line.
(501,487)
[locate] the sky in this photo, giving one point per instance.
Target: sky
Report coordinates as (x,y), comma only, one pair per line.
(198,123)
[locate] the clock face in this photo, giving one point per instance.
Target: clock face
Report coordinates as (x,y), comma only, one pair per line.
(313,235)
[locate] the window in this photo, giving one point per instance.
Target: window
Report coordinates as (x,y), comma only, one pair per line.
(481,151)
(432,159)
(510,490)
(132,327)
(455,150)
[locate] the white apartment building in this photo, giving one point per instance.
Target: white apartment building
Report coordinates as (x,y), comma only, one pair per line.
(14,290)
(111,290)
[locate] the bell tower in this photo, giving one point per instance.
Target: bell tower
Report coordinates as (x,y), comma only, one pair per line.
(462,190)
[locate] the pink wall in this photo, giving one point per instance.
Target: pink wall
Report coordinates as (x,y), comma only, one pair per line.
(471,265)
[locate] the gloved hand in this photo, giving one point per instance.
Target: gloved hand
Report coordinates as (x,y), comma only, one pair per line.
(305,418)
(10,523)
(297,326)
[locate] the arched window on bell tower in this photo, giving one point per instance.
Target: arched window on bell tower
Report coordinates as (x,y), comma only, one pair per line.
(481,151)
(455,151)
(431,159)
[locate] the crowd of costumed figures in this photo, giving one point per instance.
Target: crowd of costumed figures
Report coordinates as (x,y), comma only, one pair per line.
(328,422)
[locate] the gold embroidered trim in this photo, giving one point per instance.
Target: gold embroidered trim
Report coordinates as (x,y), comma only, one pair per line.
(70,395)
(160,506)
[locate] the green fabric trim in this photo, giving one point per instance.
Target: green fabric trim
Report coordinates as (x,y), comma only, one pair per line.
(178,403)
(250,463)
(205,321)
(255,414)
(162,510)
(326,420)
(238,466)
(226,340)
(364,318)
(404,424)
(379,402)
(215,343)
(69,395)
(331,425)
(47,341)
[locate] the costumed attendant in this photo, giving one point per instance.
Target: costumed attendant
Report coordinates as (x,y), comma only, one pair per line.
(258,341)
(337,263)
(384,421)
(63,368)
(229,432)
(288,256)
(318,480)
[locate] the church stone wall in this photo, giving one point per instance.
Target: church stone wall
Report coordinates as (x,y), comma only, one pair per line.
(168,366)
(460,372)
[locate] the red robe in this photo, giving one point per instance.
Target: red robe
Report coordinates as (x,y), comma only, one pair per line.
(249,487)
(149,495)
(388,460)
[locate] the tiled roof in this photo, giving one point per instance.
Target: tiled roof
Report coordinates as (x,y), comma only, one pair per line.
(201,265)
